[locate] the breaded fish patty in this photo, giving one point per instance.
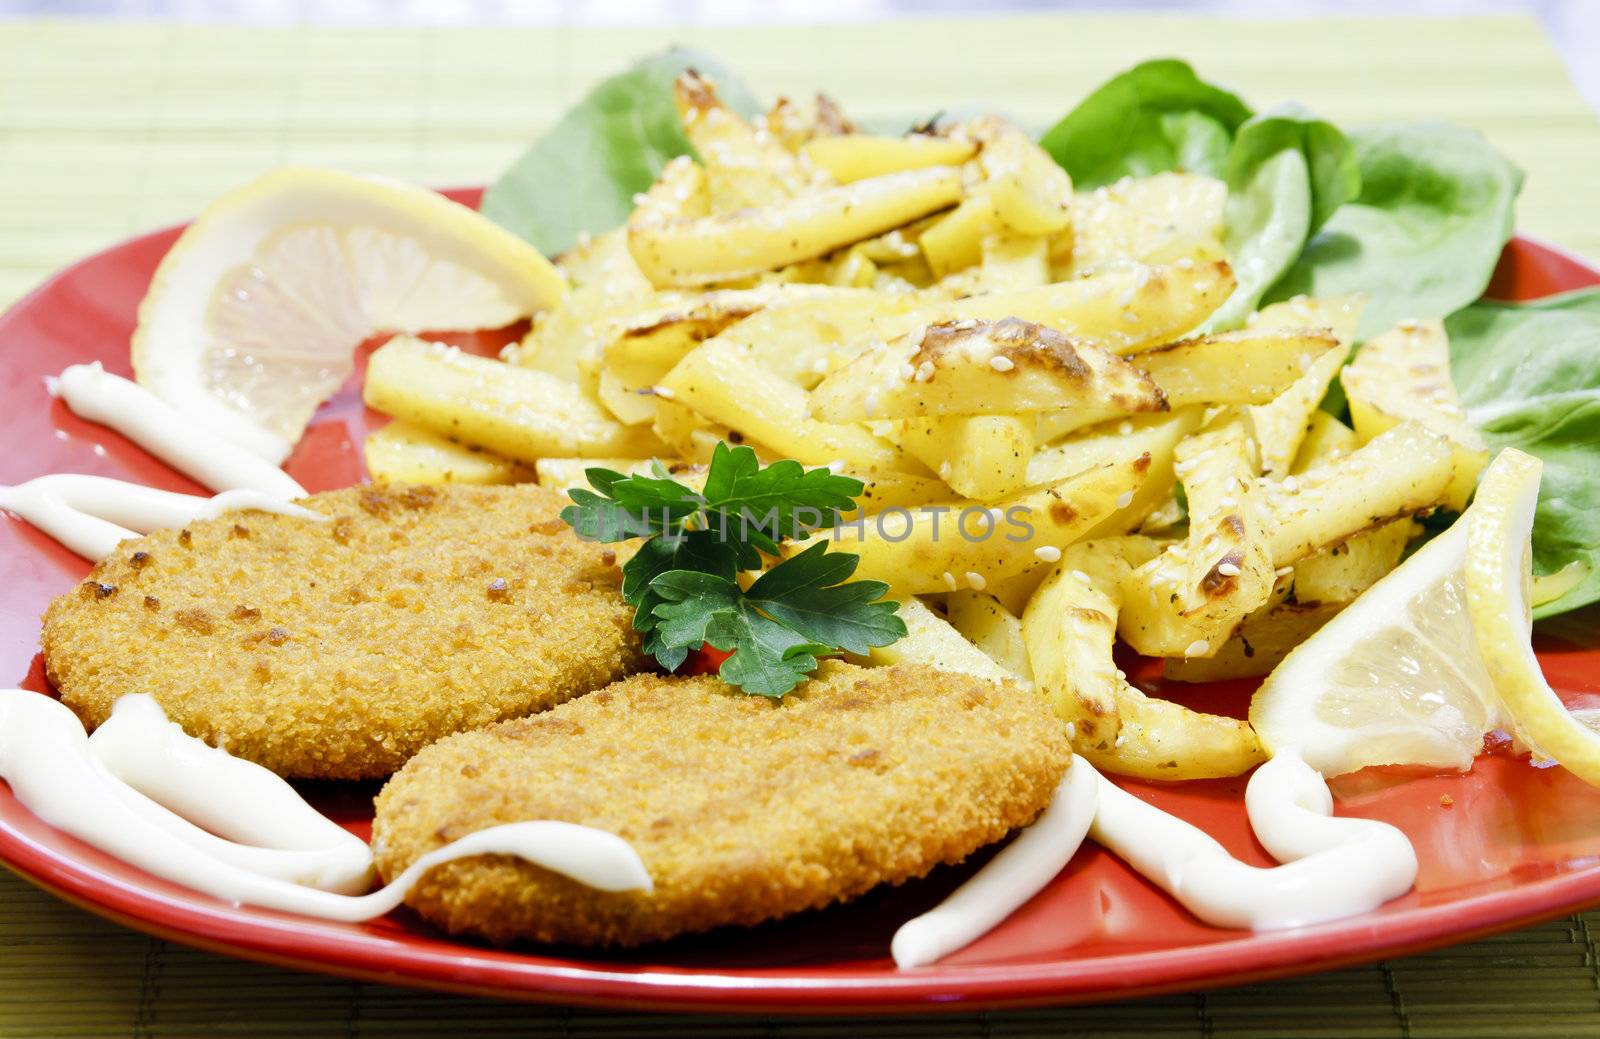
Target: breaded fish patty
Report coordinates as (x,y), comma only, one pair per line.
(742,808)
(338,650)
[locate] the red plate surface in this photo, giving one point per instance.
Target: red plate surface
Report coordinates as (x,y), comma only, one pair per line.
(1518,844)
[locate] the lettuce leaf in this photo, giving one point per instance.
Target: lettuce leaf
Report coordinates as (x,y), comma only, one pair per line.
(1424,234)
(582,175)
(1530,377)
(1288,171)
(1157,116)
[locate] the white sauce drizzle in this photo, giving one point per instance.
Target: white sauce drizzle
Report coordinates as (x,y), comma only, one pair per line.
(61,775)
(95,394)
(1016,874)
(92,514)
(1331,867)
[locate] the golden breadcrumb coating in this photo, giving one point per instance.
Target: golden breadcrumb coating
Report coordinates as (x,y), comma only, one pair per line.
(337,650)
(743,808)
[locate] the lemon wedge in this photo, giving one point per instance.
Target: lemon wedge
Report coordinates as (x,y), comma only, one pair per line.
(1396,678)
(253,317)
(1498,584)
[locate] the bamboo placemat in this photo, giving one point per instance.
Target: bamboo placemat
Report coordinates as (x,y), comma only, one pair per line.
(111,129)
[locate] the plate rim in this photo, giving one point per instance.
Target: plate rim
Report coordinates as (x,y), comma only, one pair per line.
(287,941)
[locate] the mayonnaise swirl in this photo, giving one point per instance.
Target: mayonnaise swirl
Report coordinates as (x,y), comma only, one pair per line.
(271,849)
(1015,875)
(1331,867)
(188,446)
(91,514)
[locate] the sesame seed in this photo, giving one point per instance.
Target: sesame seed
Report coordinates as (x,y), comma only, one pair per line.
(820,366)
(950,581)
(1124,499)
(836,466)
(925,371)
(1122,738)
(1125,299)
(1227,503)
(1197,647)
(976,581)
(664,392)
(1072,731)
(640,199)
(1125,427)
(1001,364)
(1283,571)
(1080,575)
(872,404)
(1291,484)
(1228,569)
(1185,263)
(907,372)
(1047,553)
(944,470)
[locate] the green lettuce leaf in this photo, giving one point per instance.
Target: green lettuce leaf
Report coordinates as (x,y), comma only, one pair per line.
(582,175)
(1288,171)
(1530,377)
(1155,117)
(1424,234)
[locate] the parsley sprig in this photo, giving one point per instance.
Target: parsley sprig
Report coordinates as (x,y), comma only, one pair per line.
(684,585)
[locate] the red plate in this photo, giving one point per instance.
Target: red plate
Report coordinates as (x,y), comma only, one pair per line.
(1518,844)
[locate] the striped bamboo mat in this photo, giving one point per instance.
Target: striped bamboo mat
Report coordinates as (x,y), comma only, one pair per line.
(107,130)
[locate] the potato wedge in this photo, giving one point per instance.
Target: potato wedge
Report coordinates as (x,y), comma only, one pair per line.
(1244,367)
(982,621)
(1281,423)
(519,413)
(979,456)
(745,242)
(1143,219)
(1011,262)
(1326,438)
(1402,472)
(1188,601)
(1344,570)
(1339,573)
(801,340)
(1121,440)
(744,167)
(403,453)
(932,641)
(964,543)
(723,383)
(1404,374)
(955,241)
(857,156)
(1123,310)
(692,437)
(1159,739)
(1029,192)
(972,367)
(604,260)
(1069,625)
(640,348)
(1265,638)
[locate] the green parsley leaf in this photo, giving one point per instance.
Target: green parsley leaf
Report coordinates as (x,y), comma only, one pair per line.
(768,658)
(683,582)
(807,593)
(766,505)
